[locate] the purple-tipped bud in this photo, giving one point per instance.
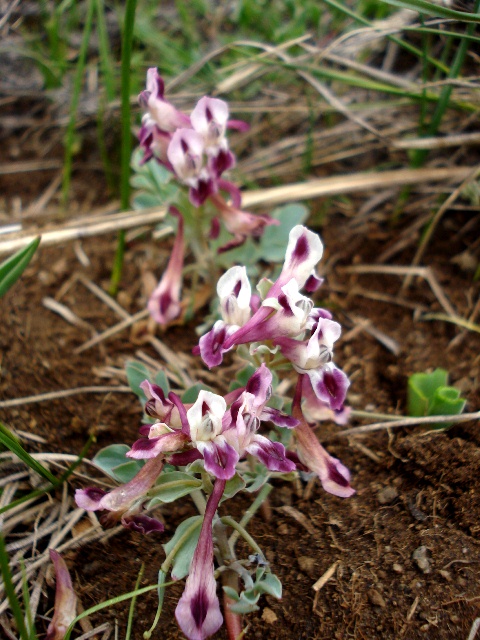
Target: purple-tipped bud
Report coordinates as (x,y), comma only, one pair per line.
(334,476)
(65,600)
(164,303)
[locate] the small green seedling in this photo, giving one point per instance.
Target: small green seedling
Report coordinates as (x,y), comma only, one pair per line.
(430,395)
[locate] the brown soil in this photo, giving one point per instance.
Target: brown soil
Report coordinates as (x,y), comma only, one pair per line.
(417,491)
(414,489)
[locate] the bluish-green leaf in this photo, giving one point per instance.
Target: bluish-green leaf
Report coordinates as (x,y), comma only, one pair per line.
(274,239)
(270,584)
(171,486)
(191,394)
(110,457)
(186,536)
(233,486)
(126,471)
(161,380)
(136,372)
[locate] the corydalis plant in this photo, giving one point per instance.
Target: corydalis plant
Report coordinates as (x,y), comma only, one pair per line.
(217,441)
(195,149)
(284,327)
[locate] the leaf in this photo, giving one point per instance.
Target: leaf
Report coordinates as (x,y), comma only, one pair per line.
(136,372)
(145,200)
(161,380)
(233,486)
(110,457)
(173,485)
(274,240)
(12,268)
(190,395)
(186,537)
(270,584)
(429,395)
(126,471)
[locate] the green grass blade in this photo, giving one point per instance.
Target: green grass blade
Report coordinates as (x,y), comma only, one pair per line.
(32,634)
(422,6)
(401,43)
(106,62)
(77,87)
(10,591)
(126,150)
(444,99)
(39,492)
(7,439)
(133,602)
(12,268)
(109,603)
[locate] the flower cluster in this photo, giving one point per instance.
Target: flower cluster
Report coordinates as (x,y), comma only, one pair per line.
(182,433)
(195,149)
(285,321)
(283,325)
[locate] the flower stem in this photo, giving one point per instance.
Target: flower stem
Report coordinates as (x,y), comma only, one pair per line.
(249,513)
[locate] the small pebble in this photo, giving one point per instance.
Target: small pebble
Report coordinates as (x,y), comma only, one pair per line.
(419,556)
(376,598)
(307,565)
(269,616)
(397,567)
(387,495)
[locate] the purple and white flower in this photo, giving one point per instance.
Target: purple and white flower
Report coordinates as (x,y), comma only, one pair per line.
(162,113)
(125,502)
(198,610)
(246,415)
(334,476)
(205,419)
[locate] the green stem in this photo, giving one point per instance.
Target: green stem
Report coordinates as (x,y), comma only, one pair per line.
(133,602)
(10,591)
(240,531)
(161,593)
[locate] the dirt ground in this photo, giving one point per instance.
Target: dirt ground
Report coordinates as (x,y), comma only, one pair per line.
(418,493)
(400,559)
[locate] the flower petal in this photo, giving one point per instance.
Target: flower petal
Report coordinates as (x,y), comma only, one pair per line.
(198,610)
(272,454)
(220,458)
(234,292)
(330,385)
(146,448)
(304,251)
(142,524)
(334,476)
